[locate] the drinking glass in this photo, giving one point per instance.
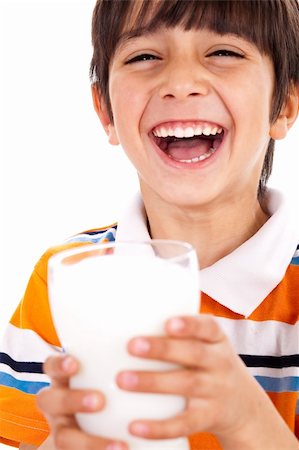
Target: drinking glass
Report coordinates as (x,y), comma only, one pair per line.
(102,295)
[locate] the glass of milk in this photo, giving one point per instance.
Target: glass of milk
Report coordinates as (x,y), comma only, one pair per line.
(101,296)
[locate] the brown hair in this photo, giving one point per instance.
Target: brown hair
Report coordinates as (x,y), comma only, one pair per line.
(272,25)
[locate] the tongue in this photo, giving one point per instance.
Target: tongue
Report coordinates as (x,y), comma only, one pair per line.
(188,148)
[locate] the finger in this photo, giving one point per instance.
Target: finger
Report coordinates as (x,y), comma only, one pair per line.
(188,383)
(59,401)
(203,327)
(67,438)
(60,369)
(187,352)
(185,424)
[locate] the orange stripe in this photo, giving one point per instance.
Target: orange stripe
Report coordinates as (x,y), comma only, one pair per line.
(210,306)
(279,305)
(285,403)
(9,442)
(204,441)
(24,423)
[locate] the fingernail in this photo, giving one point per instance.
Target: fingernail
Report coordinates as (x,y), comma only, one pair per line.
(68,364)
(116,446)
(176,324)
(140,346)
(128,379)
(91,402)
(139,428)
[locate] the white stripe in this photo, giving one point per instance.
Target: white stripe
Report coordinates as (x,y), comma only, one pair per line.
(274,373)
(270,338)
(26,345)
(24,376)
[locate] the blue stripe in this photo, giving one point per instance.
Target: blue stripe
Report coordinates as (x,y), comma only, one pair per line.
(295,261)
(271,384)
(29,387)
(94,239)
(110,236)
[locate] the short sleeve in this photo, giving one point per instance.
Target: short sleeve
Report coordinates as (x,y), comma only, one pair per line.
(30,338)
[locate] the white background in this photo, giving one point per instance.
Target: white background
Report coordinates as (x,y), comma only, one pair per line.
(58,174)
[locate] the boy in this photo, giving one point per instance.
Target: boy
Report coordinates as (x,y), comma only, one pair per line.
(196,92)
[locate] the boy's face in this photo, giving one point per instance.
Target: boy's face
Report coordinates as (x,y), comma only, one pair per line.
(176,82)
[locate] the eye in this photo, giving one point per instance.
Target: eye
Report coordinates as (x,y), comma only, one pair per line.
(227,53)
(142,57)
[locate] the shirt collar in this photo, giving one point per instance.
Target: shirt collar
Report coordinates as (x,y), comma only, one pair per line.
(241,280)
(132,225)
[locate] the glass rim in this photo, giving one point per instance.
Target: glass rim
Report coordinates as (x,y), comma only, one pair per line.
(89,247)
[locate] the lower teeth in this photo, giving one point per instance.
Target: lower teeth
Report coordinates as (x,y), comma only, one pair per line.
(197,158)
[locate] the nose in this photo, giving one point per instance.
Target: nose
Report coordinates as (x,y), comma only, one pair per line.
(182,80)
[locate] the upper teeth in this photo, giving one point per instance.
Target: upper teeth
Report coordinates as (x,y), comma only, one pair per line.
(188,132)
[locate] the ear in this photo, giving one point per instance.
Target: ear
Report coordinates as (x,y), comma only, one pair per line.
(101,110)
(287,116)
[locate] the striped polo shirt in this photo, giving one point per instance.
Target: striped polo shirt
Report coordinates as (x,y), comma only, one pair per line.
(253,293)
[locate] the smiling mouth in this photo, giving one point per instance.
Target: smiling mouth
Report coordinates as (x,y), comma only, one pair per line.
(191,143)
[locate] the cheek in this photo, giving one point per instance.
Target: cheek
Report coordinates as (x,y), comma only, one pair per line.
(250,108)
(255,95)
(128,104)
(125,94)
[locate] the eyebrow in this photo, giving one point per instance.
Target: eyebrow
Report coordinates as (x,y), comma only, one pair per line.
(135,33)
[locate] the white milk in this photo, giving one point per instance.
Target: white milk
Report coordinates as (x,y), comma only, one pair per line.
(100,303)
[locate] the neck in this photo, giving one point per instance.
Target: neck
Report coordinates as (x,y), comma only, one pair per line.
(213,230)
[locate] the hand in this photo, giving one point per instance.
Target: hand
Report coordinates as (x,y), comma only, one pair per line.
(222,397)
(59,403)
